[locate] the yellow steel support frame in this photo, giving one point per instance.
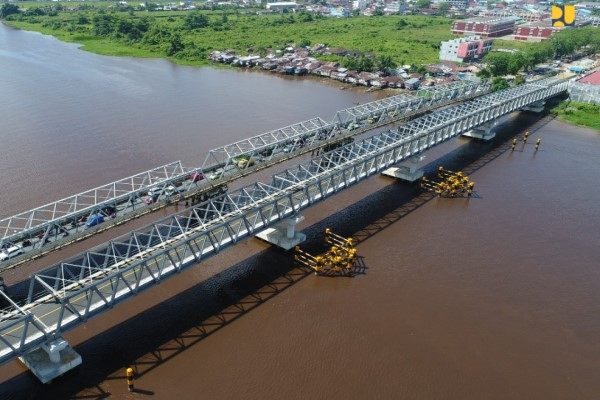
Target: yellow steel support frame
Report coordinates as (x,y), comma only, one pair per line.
(451,184)
(340,259)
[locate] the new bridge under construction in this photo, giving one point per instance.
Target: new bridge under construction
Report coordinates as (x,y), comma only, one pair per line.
(342,153)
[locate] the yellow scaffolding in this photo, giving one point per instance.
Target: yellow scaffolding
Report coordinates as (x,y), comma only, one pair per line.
(450,184)
(340,259)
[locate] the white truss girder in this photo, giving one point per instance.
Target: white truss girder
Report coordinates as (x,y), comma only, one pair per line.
(277,144)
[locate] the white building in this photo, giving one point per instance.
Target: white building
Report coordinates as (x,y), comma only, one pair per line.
(282,5)
(465,49)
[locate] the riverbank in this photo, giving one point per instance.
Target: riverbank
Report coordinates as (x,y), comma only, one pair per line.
(91,43)
(581,114)
(189,40)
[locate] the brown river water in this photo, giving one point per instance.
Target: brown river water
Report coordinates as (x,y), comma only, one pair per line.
(493,297)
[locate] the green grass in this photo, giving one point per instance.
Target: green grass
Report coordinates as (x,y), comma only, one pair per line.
(88,42)
(582,114)
(511,44)
(415,44)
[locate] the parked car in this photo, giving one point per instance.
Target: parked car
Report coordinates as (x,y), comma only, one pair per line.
(150,199)
(243,161)
(195,177)
(94,220)
(155,191)
(11,252)
(216,174)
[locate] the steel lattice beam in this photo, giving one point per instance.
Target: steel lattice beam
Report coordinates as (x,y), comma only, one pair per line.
(271,147)
(51,218)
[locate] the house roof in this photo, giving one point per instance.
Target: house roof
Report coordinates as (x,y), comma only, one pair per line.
(592,79)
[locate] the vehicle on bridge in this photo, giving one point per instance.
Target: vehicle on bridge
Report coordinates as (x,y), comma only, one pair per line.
(93,220)
(11,252)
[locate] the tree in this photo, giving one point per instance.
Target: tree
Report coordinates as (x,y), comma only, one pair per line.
(303,16)
(8,9)
(385,64)
(484,73)
(360,64)
(499,83)
(304,42)
(195,20)
(423,3)
(515,63)
(444,7)
(498,62)
(103,24)
(175,45)
(82,20)
(366,64)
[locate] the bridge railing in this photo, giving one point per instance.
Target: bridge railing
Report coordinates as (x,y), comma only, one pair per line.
(42,223)
(268,148)
(68,293)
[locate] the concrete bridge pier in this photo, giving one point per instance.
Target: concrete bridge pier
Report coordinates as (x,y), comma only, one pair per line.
(284,234)
(483,132)
(408,170)
(51,360)
(536,107)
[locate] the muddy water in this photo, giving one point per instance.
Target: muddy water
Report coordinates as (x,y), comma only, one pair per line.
(496,297)
(86,120)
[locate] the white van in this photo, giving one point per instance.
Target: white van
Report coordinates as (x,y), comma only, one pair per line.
(11,252)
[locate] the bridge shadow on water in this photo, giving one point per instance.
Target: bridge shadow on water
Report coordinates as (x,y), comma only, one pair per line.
(196,313)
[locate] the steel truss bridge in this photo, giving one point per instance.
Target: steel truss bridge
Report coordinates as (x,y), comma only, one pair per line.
(59,223)
(68,293)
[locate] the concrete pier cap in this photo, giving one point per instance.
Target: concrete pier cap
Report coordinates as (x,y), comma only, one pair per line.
(284,233)
(536,107)
(483,132)
(51,360)
(408,171)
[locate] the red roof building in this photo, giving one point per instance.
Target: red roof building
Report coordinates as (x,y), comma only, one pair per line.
(535,31)
(485,27)
(591,79)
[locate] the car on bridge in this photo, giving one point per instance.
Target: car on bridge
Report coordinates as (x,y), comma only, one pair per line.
(94,219)
(195,177)
(155,192)
(11,252)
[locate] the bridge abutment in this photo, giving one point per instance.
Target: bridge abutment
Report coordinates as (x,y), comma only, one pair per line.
(51,360)
(408,171)
(284,234)
(483,132)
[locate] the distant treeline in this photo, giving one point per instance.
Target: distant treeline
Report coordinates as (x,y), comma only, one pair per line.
(563,43)
(191,35)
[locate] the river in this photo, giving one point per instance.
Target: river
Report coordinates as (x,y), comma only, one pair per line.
(494,297)
(86,120)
